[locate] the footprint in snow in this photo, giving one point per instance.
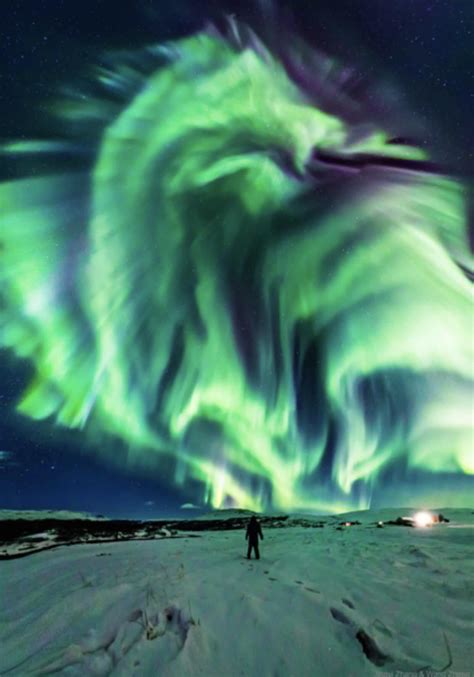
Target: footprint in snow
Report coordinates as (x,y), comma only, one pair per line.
(371,649)
(318,592)
(339,615)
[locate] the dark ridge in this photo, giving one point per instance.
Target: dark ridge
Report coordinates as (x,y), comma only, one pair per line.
(28,537)
(12,530)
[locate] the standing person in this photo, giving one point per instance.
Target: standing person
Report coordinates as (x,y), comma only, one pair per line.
(253,531)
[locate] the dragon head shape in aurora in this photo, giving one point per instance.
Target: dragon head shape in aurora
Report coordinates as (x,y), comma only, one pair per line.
(260,296)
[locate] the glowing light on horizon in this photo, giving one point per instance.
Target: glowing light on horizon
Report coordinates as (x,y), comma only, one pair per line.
(423,519)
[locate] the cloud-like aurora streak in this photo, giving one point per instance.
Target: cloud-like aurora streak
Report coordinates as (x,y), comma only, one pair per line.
(251,291)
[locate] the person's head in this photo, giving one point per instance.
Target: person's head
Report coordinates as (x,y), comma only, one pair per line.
(253,519)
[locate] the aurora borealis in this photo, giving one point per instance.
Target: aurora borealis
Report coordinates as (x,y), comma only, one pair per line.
(256,286)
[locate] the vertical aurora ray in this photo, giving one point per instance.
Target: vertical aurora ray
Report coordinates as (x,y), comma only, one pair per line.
(253,292)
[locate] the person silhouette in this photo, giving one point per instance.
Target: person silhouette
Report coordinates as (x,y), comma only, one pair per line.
(253,531)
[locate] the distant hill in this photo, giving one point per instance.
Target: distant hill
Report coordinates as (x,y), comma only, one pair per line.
(364,516)
(226,513)
(48,514)
(385,514)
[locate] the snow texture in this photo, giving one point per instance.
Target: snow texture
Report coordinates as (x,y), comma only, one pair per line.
(360,600)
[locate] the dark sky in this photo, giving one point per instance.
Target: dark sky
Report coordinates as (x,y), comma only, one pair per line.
(423,47)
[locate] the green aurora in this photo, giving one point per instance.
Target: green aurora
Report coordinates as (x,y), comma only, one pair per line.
(251,319)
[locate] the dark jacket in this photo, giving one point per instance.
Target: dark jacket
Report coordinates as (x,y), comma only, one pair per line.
(254,530)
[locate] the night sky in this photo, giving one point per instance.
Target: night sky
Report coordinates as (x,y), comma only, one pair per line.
(421,51)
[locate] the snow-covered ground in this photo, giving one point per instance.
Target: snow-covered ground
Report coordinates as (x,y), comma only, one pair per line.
(315,603)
